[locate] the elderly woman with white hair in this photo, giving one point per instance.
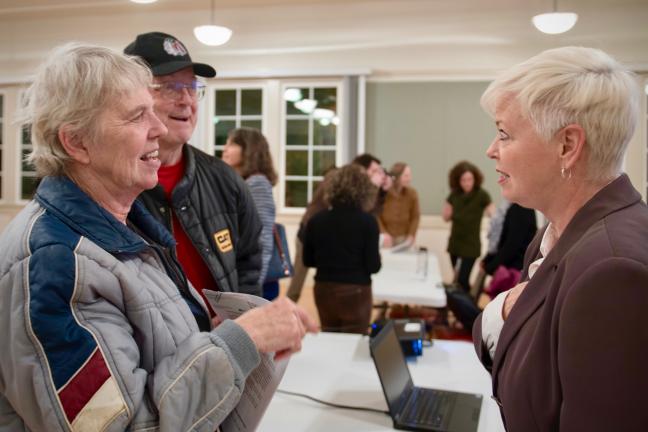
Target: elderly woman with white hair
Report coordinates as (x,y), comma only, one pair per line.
(101,330)
(568,347)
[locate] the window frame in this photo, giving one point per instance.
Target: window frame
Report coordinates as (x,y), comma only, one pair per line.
(210,146)
(341,104)
(19,164)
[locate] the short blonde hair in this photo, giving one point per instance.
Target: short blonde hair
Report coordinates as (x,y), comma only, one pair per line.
(72,88)
(578,85)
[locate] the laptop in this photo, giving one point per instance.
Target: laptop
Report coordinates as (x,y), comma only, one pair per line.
(418,408)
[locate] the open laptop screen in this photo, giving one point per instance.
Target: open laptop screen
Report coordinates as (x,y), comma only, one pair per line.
(391,366)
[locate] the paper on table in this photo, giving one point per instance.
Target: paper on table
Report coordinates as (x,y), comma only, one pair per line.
(401,247)
(262,382)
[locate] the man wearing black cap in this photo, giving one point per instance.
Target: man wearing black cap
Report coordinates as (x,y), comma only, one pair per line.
(200,199)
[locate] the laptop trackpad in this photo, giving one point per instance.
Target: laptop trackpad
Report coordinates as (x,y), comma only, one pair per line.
(465,416)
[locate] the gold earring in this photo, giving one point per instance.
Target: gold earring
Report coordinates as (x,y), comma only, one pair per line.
(562,173)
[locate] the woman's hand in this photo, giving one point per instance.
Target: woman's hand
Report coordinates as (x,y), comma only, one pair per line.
(490,210)
(511,298)
(277,327)
(446,213)
(388,241)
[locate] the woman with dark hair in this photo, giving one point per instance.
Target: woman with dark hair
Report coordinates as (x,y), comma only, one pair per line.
(342,243)
(465,207)
(247,151)
(400,215)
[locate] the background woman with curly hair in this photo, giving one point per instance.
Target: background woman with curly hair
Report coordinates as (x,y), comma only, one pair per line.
(465,207)
(342,243)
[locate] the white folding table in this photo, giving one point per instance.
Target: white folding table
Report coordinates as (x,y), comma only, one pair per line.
(337,367)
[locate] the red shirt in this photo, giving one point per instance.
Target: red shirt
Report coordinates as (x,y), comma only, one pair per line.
(192,263)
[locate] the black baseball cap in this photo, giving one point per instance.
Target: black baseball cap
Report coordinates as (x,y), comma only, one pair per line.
(165,54)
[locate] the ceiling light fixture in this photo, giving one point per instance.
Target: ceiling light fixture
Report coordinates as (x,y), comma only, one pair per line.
(306,106)
(211,34)
(293,95)
(555,22)
(323,113)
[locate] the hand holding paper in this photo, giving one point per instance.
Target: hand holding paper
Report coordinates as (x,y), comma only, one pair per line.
(277,327)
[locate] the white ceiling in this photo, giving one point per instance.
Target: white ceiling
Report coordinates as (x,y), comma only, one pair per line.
(392,39)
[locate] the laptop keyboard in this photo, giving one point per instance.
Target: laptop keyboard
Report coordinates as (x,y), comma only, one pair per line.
(428,408)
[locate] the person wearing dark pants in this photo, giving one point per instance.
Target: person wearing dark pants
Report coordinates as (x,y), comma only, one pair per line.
(341,242)
(462,267)
(343,307)
(465,207)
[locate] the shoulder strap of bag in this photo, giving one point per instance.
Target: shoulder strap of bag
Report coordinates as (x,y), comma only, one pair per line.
(282,255)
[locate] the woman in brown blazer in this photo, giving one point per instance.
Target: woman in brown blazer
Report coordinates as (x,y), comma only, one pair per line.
(400,215)
(568,347)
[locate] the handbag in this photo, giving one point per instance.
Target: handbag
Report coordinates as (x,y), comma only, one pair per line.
(462,305)
(280,264)
(504,278)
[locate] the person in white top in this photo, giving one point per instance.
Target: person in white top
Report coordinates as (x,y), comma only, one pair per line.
(568,347)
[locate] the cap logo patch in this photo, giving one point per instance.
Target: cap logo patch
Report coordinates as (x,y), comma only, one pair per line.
(223,240)
(174,47)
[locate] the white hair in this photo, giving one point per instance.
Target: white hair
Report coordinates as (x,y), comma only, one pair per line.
(72,88)
(575,85)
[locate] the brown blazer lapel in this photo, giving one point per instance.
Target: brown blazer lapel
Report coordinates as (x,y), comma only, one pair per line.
(529,301)
(615,196)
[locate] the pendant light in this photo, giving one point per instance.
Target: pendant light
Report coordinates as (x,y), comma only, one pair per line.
(555,22)
(211,34)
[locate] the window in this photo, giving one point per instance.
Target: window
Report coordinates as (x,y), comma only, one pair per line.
(234,108)
(29,181)
(311,125)
(311,139)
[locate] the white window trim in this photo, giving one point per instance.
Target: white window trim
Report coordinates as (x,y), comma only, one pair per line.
(209,146)
(362,114)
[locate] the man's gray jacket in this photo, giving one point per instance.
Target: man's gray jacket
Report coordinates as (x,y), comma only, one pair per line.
(216,211)
(96,336)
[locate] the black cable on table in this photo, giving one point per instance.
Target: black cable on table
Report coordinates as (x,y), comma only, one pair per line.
(331,404)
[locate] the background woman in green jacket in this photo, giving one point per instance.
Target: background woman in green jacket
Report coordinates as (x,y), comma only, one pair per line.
(465,207)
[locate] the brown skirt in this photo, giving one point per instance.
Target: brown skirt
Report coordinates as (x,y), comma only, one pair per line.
(343,307)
